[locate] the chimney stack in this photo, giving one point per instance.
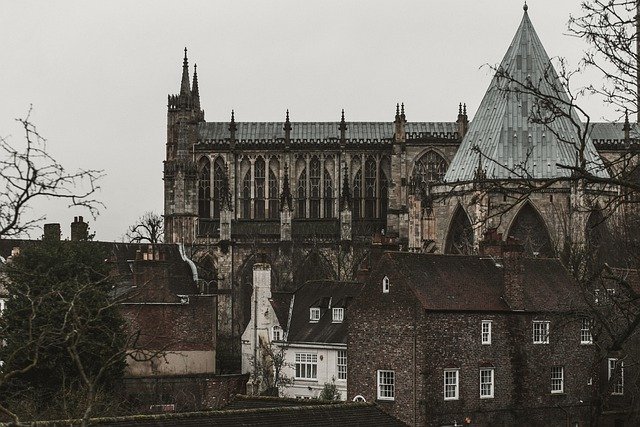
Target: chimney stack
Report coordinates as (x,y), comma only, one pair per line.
(51,232)
(508,256)
(79,229)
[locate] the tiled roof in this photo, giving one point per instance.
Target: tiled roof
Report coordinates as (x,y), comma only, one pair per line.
(320,294)
(605,134)
(475,283)
(322,132)
(343,414)
(253,402)
(511,146)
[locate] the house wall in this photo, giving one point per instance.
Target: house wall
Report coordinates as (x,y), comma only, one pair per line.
(327,371)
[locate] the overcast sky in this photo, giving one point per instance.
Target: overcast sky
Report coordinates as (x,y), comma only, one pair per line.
(98,74)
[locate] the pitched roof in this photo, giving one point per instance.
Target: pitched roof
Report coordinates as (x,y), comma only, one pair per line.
(324,294)
(322,132)
(475,283)
(611,134)
(342,414)
(511,146)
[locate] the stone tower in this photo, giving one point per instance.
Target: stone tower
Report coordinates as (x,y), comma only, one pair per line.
(180,171)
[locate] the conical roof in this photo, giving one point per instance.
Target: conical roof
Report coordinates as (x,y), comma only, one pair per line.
(511,146)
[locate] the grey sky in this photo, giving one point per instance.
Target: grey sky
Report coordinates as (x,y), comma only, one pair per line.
(98,74)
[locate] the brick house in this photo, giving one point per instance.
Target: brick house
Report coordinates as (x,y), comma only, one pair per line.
(467,339)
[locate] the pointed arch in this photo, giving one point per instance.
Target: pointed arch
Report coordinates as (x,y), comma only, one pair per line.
(207,274)
(273,195)
(246,195)
(370,188)
(460,236)
(328,194)
(314,187)
(314,266)
(429,168)
(259,180)
(204,188)
(357,195)
(530,230)
(301,195)
(218,177)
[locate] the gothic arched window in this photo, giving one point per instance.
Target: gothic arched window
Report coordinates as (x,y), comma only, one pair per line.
(430,168)
(218,174)
(204,188)
(314,188)
(370,188)
(460,236)
(328,195)
(273,195)
(384,195)
(301,194)
(530,230)
(259,181)
(246,195)
(357,195)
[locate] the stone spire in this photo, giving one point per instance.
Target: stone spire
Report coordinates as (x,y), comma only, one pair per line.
(286,200)
(287,129)
(501,129)
(399,123)
(195,91)
(185,89)
(232,129)
(627,127)
(463,120)
(343,129)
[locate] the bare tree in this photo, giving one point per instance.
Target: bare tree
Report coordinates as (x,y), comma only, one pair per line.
(267,373)
(149,228)
(28,171)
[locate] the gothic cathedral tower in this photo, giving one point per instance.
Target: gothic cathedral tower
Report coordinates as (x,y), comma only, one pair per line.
(180,171)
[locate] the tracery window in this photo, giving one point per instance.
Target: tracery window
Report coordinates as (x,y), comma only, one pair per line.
(370,188)
(431,167)
(259,181)
(328,195)
(246,195)
(301,211)
(314,188)
(273,195)
(384,194)
(531,231)
(204,189)
(357,195)
(460,236)
(218,174)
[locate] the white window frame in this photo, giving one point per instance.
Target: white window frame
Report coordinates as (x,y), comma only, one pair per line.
(276,333)
(306,366)
(586,337)
(314,314)
(451,384)
(485,334)
(486,382)
(541,331)
(341,365)
(337,315)
(612,364)
(386,384)
(557,379)
(385,285)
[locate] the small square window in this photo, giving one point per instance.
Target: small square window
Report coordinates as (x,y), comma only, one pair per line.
(557,379)
(386,385)
(451,384)
(314,314)
(485,331)
(338,315)
(385,285)
(541,332)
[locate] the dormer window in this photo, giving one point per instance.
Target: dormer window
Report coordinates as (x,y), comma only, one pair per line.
(314,314)
(385,285)
(338,315)
(276,333)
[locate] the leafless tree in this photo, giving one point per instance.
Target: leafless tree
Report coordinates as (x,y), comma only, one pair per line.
(268,368)
(28,171)
(149,228)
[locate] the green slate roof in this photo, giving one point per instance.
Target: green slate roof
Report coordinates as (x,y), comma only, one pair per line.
(322,132)
(511,146)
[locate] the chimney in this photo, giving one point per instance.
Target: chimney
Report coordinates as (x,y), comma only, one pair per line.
(507,256)
(79,229)
(51,232)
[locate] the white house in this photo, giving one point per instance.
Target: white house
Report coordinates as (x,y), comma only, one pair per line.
(309,324)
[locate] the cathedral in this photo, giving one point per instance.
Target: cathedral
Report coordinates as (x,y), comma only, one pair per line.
(320,200)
